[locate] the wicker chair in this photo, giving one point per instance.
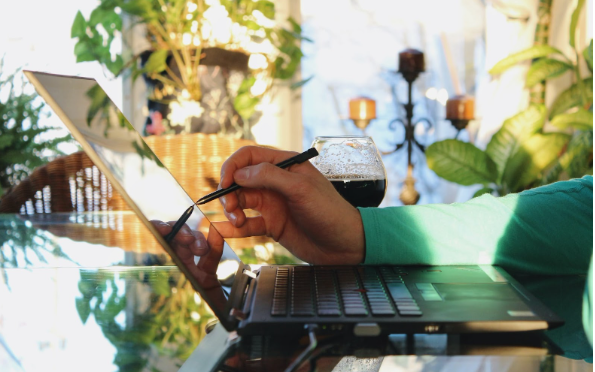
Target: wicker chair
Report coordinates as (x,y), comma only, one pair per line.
(73,182)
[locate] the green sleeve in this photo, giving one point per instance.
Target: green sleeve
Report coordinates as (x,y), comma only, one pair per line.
(547,230)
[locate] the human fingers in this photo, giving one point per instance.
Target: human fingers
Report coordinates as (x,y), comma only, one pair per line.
(184,236)
(254,226)
(199,246)
(250,155)
(244,199)
(268,176)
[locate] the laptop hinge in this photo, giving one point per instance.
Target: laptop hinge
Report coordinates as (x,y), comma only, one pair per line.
(250,274)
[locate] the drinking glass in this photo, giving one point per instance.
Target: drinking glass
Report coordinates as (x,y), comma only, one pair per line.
(354,167)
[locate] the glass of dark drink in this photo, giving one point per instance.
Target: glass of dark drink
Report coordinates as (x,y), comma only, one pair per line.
(354,167)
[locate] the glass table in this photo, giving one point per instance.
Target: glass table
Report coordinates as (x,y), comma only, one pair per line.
(93,291)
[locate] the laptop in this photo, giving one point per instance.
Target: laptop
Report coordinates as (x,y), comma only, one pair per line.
(357,300)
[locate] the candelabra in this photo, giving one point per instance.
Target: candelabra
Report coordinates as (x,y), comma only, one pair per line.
(459,111)
(411,64)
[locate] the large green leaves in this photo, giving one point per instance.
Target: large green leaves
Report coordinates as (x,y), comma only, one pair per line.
(581,119)
(536,51)
(574,21)
(533,156)
(461,162)
(572,97)
(514,130)
(545,68)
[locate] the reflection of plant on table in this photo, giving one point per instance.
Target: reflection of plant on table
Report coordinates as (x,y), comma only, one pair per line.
(21,244)
(266,254)
(183,34)
(23,140)
(521,155)
(163,315)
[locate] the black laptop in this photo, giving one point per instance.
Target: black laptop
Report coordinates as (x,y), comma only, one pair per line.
(360,300)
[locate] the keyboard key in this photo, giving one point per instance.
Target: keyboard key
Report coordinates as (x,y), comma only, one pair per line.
(410,313)
(383,311)
(329,312)
(398,291)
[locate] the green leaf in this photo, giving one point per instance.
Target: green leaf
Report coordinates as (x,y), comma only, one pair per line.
(532,158)
(301,83)
(461,162)
(581,120)
(482,191)
(578,158)
(588,54)
(574,21)
(545,68)
(82,52)
(115,66)
(571,97)
(83,308)
(266,7)
(79,26)
(108,18)
(536,51)
(514,130)
(141,8)
(245,105)
(157,61)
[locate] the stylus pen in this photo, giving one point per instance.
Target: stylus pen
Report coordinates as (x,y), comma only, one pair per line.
(306,155)
(178,225)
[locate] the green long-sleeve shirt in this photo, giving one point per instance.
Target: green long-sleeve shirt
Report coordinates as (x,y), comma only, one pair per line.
(547,230)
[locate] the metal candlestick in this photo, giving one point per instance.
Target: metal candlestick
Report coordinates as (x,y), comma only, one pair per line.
(409,195)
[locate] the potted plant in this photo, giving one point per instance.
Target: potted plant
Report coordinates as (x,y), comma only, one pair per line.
(23,139)
(184,35)
(521,155)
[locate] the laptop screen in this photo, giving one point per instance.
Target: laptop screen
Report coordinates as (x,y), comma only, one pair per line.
(134,170)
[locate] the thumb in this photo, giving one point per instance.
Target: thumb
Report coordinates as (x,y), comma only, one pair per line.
(267,176)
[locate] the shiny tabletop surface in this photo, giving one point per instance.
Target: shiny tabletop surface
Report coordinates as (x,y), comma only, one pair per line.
(94,291)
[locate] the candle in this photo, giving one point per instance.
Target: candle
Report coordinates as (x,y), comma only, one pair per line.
(362,108)
(460,108)
(411,60)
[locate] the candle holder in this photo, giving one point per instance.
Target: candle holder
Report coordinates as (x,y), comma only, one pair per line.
(460,111)
(362,110)
(411,64)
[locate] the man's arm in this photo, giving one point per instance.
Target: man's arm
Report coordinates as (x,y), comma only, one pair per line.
(547,230)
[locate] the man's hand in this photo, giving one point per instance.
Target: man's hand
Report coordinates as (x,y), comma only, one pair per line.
(189,243)
(299,207)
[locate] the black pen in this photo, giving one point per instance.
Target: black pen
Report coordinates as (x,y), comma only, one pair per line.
(178,225)
(306,155)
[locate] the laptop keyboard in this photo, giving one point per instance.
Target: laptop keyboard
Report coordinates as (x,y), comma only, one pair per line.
(349,291)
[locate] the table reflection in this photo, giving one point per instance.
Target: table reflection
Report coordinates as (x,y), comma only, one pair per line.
(67,303)
(121,318)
